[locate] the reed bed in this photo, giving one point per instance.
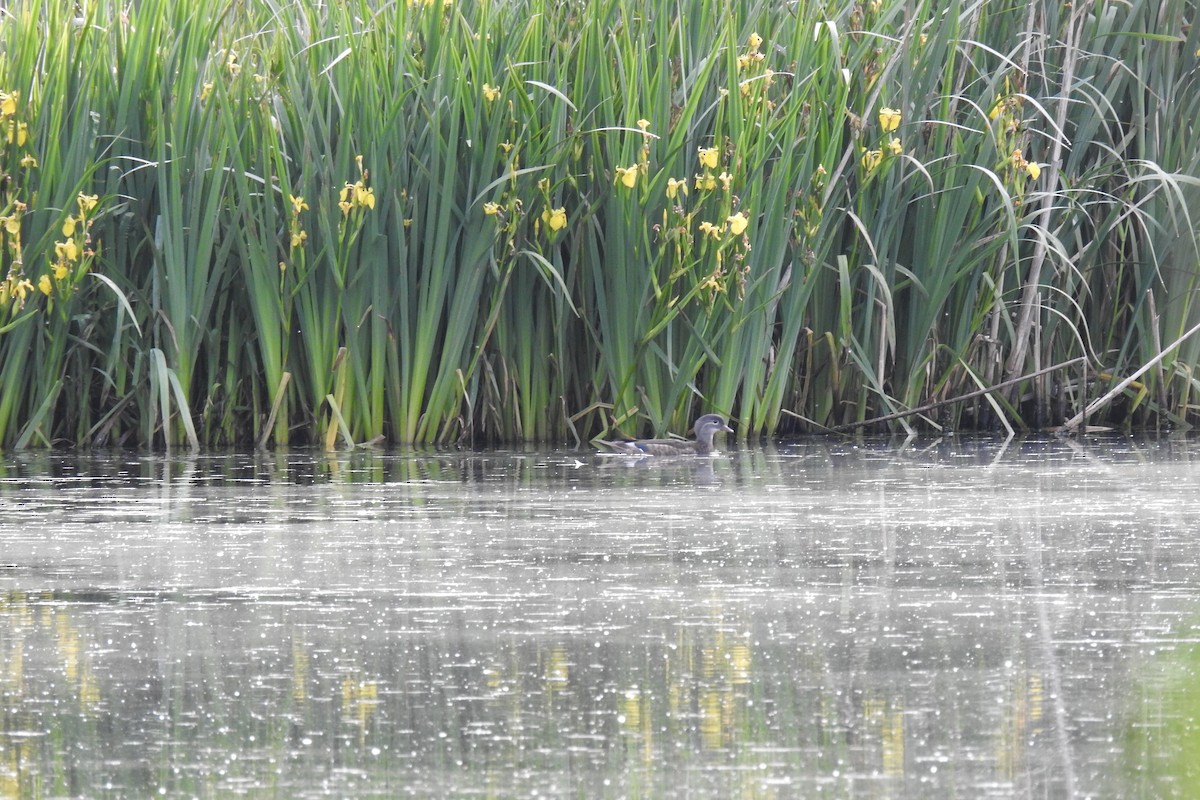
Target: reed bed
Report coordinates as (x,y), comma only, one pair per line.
(254,221)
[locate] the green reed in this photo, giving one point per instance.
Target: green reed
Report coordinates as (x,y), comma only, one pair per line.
(418,222)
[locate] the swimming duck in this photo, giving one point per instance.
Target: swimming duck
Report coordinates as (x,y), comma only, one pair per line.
(705,427)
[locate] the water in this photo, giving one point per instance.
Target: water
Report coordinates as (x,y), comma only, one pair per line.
(938,619)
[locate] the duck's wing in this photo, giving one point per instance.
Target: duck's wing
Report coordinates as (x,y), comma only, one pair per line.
(629,448)
(652,447)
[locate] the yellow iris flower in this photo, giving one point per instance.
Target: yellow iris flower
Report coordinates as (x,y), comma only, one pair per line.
(737,223)
(66,251)
(555,219)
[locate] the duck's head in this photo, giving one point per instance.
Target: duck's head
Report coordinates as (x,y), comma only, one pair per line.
(709,424)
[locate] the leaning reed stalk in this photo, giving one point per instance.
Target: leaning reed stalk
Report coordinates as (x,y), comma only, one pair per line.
(430,221)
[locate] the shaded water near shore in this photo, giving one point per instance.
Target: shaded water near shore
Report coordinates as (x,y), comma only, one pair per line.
(933,619)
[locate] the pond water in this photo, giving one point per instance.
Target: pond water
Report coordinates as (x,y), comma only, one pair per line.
(927,619)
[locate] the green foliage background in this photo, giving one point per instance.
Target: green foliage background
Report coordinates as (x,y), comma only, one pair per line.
(344,222)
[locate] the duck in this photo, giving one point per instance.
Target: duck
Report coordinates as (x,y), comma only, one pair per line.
(705,427)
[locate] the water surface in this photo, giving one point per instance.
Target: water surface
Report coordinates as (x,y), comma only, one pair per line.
(950,618)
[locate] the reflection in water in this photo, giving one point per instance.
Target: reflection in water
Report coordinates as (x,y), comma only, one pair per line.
(925,619)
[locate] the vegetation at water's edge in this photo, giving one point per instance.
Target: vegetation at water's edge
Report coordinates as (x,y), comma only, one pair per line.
(235,221)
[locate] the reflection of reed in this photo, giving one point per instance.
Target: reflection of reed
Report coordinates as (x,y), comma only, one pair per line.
(360,701)
(301,671)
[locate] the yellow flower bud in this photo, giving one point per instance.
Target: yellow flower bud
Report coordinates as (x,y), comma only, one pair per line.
(45,285)
(1034,169)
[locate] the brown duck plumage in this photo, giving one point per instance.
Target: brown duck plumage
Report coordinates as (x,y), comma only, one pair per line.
(706,427)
